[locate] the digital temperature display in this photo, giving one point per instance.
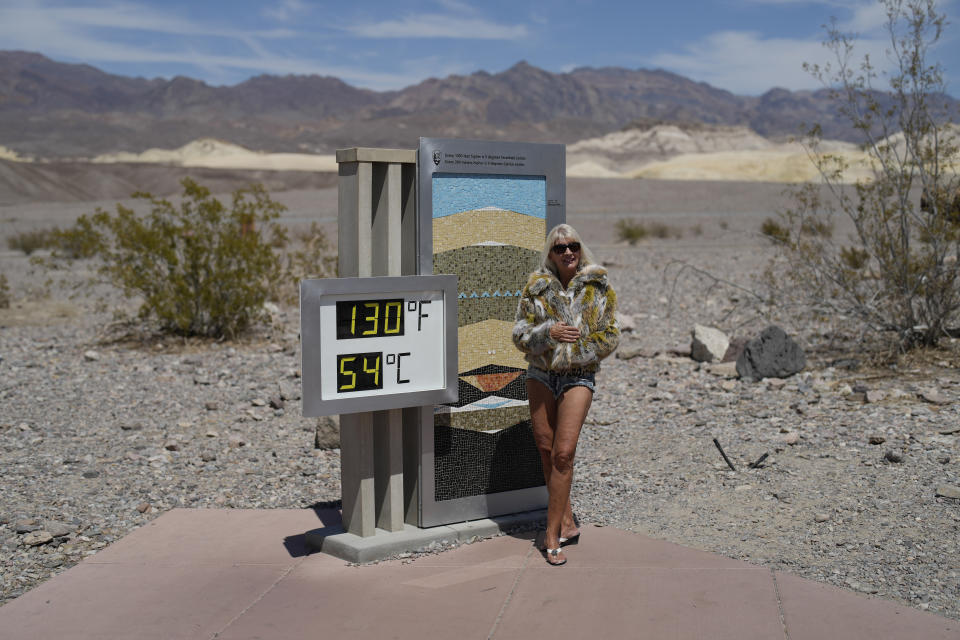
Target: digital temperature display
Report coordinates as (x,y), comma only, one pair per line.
(369,318)
(378,342)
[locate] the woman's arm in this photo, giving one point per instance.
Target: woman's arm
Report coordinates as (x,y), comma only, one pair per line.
(600,343)
(531,331)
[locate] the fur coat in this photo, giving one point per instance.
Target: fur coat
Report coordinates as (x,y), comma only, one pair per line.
(592,310)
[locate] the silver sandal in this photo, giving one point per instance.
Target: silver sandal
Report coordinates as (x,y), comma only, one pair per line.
(555,554)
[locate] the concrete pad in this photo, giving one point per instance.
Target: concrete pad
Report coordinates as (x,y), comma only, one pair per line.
(577,603)
(215,536)
(601,547)
(814,611)
(389,600)
(114,601)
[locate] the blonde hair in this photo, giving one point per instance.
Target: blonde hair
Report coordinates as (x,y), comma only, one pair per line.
(564,231)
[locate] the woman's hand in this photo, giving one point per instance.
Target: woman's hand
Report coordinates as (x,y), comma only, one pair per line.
(562,332)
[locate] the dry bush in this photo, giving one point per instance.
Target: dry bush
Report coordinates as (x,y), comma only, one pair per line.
(30,241)
(4,292)
(898,272)
(200,268)
(632,232)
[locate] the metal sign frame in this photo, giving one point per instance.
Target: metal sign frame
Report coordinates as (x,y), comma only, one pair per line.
(444,156)
(312,295)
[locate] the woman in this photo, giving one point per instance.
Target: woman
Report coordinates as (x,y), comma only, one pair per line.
(565,325)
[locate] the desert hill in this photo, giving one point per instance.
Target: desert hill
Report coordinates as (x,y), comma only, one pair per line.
(54,110)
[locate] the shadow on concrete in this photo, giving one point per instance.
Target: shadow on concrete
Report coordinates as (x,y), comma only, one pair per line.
(328,512)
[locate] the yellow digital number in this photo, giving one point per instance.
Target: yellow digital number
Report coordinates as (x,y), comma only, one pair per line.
(353,321)
(375,317)
(353,376)
(375,371)
(386,322)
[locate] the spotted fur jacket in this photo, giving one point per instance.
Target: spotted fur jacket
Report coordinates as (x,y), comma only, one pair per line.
(592,309)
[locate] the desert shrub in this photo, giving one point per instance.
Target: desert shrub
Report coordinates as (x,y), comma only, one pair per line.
(77,242)
(4,292)
(30,241)
(912,287)
(817,227)
(776,232)
(631,231)
(200,268)
(309,255)
(663,231)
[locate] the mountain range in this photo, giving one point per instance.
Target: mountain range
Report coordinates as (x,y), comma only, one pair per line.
(55,110)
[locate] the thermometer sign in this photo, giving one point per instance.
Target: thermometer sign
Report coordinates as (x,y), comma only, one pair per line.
(373,343)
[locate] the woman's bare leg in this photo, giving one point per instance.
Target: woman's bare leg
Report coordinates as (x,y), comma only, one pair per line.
(543,416)
(571,410)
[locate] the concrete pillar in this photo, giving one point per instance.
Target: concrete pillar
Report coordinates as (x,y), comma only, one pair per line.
(374,196)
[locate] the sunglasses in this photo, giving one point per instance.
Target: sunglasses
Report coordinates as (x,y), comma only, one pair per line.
(561,249)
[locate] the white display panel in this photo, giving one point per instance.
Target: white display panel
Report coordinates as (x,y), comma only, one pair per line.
(403,353)
(371,344)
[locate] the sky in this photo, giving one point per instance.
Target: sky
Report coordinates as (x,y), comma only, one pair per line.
(744,46)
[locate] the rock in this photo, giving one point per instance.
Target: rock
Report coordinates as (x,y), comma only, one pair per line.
(26,526)
(933,396)
(36,538)
(948,491)
(144,507)
(627,323)
(949,430)
(327,434)
(772,355)
(58,529)
(845,390)
(276,402)
(235,441)
(129,426)
(775,383)
(258,402)
(791,438)
(171,445)
(728,385)
(736,347)
(876,440)
(722,369)
(211,433)
(52,561)
(91,474)
(211,406)
(708,344)
(632,349)
(288,391)
(91,356)
(821,517)
(893,456)
(208,456)
(875,395)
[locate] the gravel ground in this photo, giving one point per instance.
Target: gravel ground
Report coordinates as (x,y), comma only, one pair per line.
(97,438)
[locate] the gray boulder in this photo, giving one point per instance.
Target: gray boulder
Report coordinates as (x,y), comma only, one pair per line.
(772,355)
(327,434)
(708,344)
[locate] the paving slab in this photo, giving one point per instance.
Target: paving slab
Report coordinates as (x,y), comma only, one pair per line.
(237,574)
(814,611)
(392,600)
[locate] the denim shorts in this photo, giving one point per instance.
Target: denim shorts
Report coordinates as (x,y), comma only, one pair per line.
(560,382)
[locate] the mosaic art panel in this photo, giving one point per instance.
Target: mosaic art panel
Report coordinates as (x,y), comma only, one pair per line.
(489,231)
(479,463)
